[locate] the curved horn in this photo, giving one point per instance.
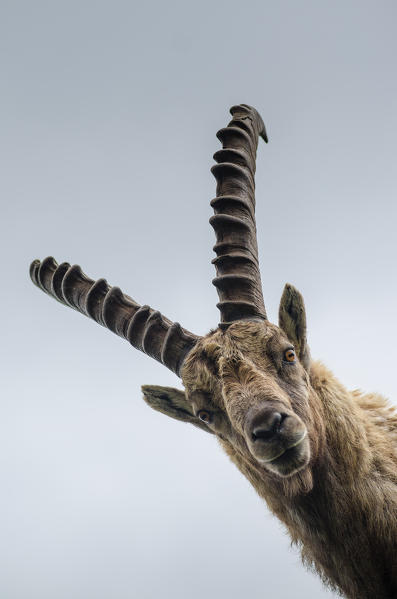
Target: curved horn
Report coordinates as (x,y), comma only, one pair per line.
(238,280)
(143,327)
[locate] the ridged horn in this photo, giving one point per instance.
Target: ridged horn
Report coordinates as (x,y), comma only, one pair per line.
(145,328)
(238,280)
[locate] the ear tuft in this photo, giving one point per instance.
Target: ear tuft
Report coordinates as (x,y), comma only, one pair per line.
(171,402)
(292,320)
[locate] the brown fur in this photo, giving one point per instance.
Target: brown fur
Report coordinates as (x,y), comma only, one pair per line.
(341,508)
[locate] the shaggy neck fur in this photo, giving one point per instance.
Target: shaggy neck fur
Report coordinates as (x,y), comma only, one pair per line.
(342,509)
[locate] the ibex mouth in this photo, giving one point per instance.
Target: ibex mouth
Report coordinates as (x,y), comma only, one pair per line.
(291,460)
(286,450)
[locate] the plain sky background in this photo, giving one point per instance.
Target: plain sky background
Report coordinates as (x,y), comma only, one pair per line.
(108,118)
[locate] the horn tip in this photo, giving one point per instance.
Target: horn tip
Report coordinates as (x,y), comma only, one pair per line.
(33,269)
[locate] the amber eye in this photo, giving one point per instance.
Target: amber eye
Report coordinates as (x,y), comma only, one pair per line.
(289,355)
(205,416)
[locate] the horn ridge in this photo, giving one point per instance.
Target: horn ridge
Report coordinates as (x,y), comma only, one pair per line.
(176,336)
(56,281)
(94,300)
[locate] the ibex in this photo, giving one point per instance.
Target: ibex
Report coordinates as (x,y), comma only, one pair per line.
(323,458)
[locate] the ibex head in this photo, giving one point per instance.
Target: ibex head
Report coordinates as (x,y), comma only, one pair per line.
(246,382)
(248,386)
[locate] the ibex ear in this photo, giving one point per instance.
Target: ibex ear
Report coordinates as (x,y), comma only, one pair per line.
(292,320)
(172,402)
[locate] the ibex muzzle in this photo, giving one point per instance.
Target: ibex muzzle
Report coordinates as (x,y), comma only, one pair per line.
(277,438)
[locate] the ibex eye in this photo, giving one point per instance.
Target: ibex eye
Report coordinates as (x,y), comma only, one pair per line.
(289,355)
(205,416)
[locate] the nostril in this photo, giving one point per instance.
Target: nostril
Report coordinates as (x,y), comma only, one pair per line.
(269,427)
(260,433)
(283,417)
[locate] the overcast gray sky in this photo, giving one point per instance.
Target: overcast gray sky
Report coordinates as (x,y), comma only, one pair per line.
(108,121)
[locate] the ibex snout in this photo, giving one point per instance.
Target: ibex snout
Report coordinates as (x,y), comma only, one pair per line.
(277,438)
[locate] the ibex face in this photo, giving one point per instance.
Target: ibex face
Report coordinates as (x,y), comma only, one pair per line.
(249,388)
